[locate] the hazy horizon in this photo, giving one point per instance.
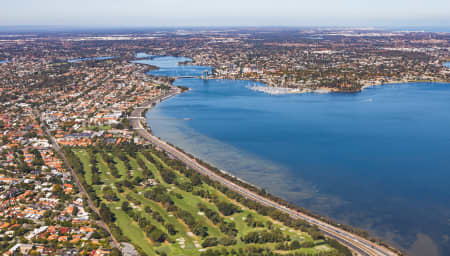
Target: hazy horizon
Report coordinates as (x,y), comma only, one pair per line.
(176,13)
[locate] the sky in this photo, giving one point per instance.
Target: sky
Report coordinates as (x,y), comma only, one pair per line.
(151,13)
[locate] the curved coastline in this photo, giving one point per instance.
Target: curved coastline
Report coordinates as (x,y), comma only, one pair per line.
(396,238)
(369,246)
(270,88)
(208,136)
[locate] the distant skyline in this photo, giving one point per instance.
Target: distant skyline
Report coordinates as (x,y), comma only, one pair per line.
(167,13)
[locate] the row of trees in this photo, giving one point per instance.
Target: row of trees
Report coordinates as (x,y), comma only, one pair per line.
(79,170)
(146,172)
(95,172)
(196,227)
(214,241)
(150,230)
(226,208)
(167,175)
(265,236)
(264,251)
(109,194)
(266,210)
(159,194)
(111,164)
(229,209)
(251,222)
(227,227)
(294,245)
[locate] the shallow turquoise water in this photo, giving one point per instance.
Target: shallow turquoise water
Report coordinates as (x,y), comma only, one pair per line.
(379,159)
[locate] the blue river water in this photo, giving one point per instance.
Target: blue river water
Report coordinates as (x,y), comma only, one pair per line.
(168,66)
(447,64)
(91,58)
(3,61)
(378,160)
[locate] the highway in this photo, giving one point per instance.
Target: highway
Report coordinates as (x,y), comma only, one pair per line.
(357,244)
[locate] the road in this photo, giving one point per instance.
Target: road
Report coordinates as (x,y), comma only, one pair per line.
(358,244)
(77,181)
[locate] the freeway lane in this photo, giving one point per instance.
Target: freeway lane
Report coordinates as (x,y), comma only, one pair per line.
(358,244)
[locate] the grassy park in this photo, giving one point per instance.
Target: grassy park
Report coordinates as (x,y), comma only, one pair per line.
(164,208)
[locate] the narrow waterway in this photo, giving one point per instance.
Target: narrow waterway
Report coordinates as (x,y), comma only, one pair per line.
(91,58)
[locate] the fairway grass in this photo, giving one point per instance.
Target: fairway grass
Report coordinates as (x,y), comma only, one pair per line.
(184,242)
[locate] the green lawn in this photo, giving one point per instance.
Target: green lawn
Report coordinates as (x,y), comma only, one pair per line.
(132,230)
(183,242)
(85,159)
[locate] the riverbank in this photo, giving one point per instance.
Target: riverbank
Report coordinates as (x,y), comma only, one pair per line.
(188,67)
(282,91)
(91,58)
(329,227)
(272,89)
(379,83)
(292,145)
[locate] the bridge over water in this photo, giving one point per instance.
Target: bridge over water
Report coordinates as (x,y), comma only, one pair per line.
(177,77)
(205,75)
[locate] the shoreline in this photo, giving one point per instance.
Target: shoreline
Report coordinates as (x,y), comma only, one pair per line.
(286,90)
(322,89)
(401,82)
(273,90)
(332,229)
